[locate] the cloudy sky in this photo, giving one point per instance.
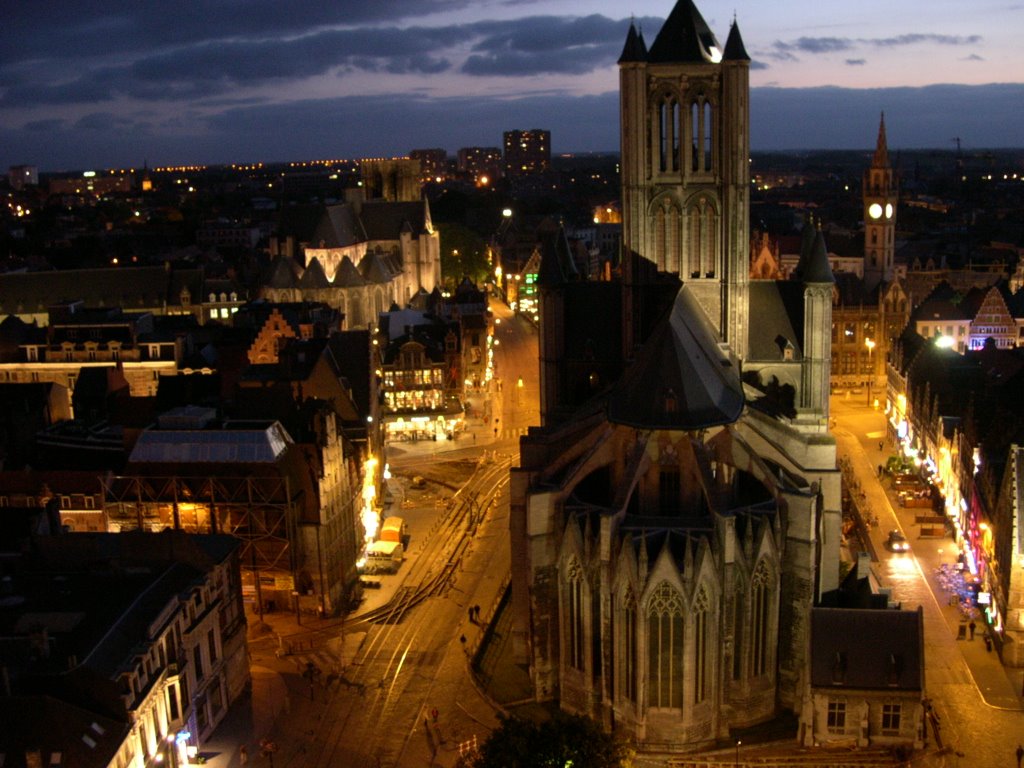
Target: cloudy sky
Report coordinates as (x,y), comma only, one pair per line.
(113,83)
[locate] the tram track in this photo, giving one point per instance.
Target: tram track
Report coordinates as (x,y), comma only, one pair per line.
(368,722)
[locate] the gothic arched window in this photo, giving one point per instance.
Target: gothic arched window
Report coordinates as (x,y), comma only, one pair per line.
(629,649)
(760,618)
(574,615)
(738,606)
(665,649)
(701,663)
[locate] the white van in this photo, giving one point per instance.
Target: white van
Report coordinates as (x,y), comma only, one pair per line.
(384,556)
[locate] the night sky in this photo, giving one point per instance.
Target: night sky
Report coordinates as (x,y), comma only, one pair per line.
(115,83)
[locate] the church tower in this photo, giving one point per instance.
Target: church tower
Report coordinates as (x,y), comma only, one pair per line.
(684,107)
(880,195)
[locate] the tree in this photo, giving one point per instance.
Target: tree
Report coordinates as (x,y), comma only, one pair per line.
(565,741)
(463,253)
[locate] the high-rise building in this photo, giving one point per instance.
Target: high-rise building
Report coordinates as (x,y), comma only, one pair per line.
(677,513)
(481,164)
(433,163)
(527,152)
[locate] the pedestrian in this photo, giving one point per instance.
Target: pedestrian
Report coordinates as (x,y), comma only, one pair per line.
(1020,754)
(881,445)
(243,755)
(971,627)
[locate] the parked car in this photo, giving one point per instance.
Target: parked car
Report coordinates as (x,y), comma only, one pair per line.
(897,542)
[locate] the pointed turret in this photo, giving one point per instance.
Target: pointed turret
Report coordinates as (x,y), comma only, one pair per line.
(881,159)
(685,37)
(818,270)
(807,237)
(734,48)
(635,48)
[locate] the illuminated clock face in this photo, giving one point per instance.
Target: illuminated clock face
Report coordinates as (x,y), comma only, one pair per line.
(875,211)
(888,210)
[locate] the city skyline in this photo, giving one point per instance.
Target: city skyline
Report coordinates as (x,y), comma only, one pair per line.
(117,84)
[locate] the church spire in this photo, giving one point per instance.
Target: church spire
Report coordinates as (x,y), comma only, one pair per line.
(635,48)
(881,159)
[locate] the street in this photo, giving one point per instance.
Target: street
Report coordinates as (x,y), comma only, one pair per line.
(978,704)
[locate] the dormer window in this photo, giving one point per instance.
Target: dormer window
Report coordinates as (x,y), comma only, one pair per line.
(839,668)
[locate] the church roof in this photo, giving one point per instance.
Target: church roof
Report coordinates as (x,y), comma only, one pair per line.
(556,262)
(685,37)
(337,228)
(734,48)
(314,276)
(282,273)
(347,276)
(881,158)
(376,268)
(778,306)
(817,269)
(681,378)
(635,48)
(385,220)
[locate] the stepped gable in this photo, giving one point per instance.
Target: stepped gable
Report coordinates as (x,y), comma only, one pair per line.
(681,378)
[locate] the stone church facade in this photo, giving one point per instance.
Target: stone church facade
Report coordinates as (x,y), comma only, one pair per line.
(676,514)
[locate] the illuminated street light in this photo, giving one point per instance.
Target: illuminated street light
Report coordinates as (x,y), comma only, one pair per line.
(870,344)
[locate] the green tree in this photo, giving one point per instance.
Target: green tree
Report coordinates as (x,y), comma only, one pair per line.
(463,252)
(565,741)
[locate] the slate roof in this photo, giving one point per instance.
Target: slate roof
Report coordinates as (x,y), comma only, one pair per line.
(778,306)
(734,48)
(338,227)
(348,275)
(635,48)
(84,738)
(681,378)
(383,220)
(867,649)
(261,445)
(314,276)
(127,287)
(684,37)
(283,273)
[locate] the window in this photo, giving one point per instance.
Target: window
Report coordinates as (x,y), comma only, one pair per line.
(737,634)
(629,646)
(759,606)
(668,490)
(836,716)
(665,648)
(211,641)
(574,616)
(891,718)
(700,647)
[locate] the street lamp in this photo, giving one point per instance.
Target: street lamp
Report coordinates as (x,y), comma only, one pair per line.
(870,344)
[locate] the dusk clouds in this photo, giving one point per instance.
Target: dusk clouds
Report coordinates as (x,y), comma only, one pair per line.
(254,79)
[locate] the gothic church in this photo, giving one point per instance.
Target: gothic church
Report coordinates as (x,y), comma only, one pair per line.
(677,512)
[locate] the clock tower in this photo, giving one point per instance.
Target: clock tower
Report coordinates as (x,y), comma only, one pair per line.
(880,195)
